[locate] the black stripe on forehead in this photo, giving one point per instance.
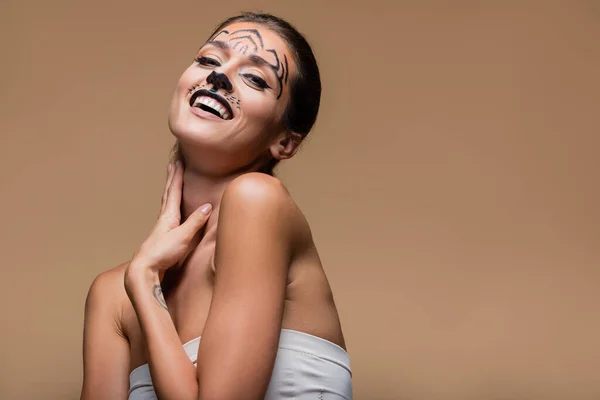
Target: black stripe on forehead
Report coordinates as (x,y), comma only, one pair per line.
(234,42)
(238,40)
(276,66)
(282,67)
(223,31)
(255,31)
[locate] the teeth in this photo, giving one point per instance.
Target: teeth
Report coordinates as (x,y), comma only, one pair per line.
(215,105)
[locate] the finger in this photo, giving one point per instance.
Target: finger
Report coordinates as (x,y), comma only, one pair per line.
(166,191)
(195,221)
(173,203)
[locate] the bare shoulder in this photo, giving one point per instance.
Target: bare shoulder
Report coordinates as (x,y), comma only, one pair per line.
(264,197)
(107,290)
(258,188)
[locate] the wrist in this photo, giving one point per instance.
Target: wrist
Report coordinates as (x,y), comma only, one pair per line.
(139,274)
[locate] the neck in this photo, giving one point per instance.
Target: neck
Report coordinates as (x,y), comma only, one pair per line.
(200,188)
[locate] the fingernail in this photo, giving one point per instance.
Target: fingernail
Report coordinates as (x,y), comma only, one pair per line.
(169,168)
(205,209)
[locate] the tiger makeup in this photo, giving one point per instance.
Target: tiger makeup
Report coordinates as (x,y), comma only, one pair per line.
(229,105)
(248,47)
(250,42)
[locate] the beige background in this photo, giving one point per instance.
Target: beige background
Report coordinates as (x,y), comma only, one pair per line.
(451,183)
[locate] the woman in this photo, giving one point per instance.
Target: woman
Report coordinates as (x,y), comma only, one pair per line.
(239,283)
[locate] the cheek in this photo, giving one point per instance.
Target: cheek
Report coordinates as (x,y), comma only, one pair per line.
(261,106)
(189,77)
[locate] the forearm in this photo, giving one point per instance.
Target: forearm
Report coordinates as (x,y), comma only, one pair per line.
(173,374)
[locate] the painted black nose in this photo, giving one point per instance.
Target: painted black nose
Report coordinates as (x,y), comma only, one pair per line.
(219,81)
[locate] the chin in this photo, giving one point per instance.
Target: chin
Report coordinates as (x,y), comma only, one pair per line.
(187,130)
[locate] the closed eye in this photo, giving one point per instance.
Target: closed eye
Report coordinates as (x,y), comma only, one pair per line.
(256,81)
(207,61)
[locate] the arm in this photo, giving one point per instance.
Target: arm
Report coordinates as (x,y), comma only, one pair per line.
(105,349)
(173,374)
(240,340)
(251,330)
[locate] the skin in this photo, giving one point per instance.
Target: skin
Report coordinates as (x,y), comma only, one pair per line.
(236,286)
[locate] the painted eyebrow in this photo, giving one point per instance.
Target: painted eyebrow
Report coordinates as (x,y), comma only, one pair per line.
(254,59)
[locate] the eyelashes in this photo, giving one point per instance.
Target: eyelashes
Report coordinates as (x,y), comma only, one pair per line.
(254,80)
(207,61)
(257,81)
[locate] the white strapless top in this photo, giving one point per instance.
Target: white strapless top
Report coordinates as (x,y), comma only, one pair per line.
(306,367)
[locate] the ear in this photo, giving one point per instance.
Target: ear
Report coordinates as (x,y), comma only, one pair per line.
(286,145)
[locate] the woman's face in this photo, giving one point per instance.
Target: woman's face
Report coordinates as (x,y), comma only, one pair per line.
(228,105)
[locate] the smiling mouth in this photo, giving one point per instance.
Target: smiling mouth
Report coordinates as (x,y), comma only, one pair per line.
(211,102)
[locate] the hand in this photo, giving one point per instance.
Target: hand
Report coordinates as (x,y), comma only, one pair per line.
(169,241)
